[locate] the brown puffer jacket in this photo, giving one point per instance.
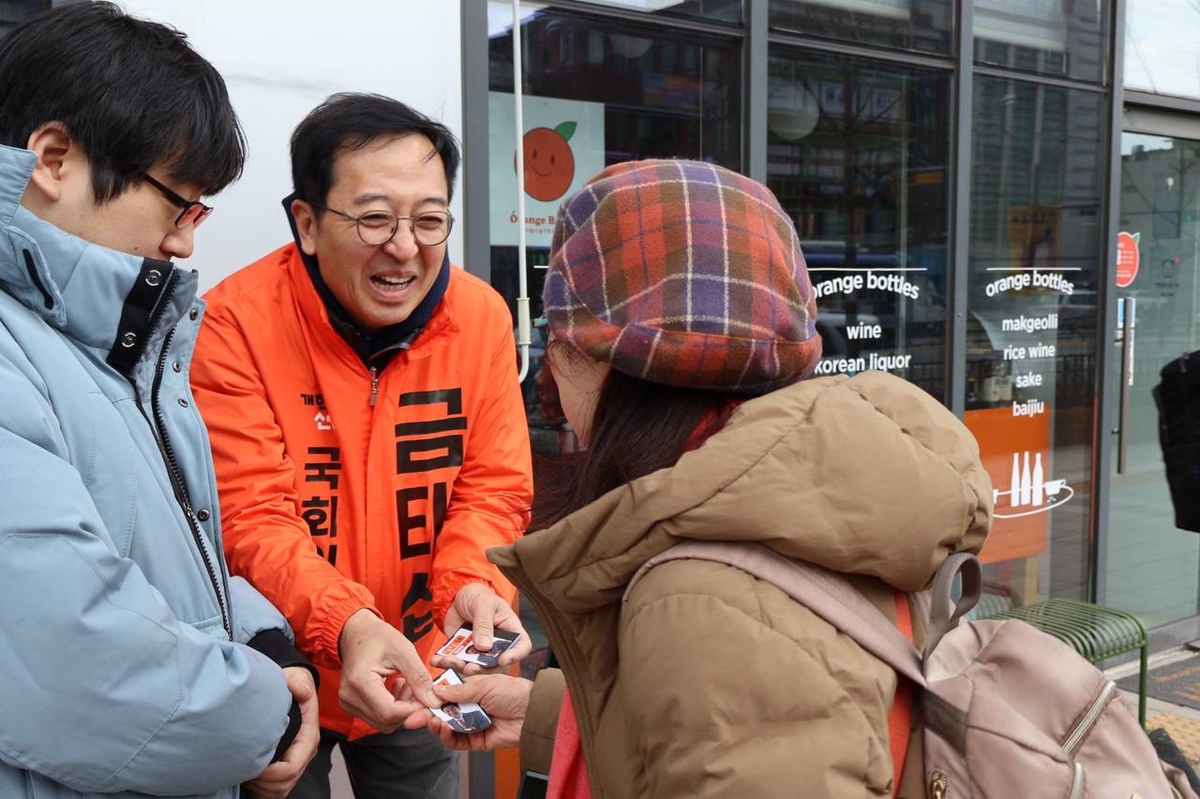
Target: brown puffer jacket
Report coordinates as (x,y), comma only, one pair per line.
(712,683)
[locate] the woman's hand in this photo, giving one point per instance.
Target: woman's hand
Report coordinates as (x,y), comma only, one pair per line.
(504,698)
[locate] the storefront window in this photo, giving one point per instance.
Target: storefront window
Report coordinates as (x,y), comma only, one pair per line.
(921,25)
(1152,566)
(858,153)
(707,10)
(1160,46)
(1035,261)
(14,12)
(596,92)
(1066,38)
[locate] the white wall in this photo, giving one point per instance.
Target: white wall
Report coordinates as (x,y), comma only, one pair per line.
(280,59)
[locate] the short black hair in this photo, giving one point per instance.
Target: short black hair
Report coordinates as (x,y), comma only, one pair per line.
(130,92)
(351,121)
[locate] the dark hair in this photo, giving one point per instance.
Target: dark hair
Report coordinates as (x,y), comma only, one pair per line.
(350,121)
(638,427)
(131,93)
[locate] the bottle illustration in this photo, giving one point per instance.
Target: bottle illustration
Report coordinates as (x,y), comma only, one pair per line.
(1032,489)
(1014,492)
(1038,479)
(1026,482)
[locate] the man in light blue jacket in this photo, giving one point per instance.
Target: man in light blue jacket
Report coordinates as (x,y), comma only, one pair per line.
(130,663)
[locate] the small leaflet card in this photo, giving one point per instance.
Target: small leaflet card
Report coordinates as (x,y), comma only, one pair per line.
(462,647)
(464,717)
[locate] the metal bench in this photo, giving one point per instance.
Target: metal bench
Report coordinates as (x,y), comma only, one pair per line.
(1094,631)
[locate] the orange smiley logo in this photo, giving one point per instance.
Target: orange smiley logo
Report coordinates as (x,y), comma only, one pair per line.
(549,162)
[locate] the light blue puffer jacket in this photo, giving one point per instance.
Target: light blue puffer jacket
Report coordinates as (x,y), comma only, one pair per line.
(118,675)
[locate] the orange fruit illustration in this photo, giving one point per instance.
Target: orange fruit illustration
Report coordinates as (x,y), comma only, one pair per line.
(549,162)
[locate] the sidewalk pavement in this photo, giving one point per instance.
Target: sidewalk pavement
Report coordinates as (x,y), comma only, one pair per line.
(1182,722)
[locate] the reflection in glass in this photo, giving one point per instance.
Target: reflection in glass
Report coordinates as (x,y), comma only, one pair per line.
(858,154)
(707,10)
(920,25)
(666,93)
(1049,37)
(1160,46)
(1153,566)
(663,93)
(1035,259)
(14,12)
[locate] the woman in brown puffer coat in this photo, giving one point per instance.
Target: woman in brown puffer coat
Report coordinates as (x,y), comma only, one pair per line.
(680,320)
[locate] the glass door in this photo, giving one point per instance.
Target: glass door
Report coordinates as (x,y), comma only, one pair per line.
(1153,568)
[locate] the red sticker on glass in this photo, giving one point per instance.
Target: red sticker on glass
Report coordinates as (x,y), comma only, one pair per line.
(1127,258)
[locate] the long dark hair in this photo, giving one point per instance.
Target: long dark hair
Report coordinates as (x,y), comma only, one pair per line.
(638,428)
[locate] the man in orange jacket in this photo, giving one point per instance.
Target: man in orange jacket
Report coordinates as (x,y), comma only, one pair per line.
(369,435)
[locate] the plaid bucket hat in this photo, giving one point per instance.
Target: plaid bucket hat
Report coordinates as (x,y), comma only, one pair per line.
(683,273)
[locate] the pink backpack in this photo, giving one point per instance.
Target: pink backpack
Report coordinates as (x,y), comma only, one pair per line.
(1007,710)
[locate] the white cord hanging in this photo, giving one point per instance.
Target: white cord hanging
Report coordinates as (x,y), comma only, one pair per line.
(523,325)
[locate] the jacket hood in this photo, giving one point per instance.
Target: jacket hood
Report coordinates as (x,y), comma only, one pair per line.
(863,475)
(91,293)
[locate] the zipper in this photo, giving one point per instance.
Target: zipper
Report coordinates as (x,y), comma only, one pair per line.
(1078,783)
(938,784)
(376,372)
(1075,737)
(47,300)
(159,426)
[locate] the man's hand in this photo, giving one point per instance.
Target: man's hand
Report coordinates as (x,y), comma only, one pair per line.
(506,700)
(278,779)
(372,651)
(484,611)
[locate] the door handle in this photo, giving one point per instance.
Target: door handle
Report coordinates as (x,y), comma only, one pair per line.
(1129,324)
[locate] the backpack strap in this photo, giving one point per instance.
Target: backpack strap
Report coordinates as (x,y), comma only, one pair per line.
(944,611)
(825,593)
(900,715)
(832,597)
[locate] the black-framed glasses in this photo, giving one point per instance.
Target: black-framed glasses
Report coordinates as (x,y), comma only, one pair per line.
(192,212)
(429,228)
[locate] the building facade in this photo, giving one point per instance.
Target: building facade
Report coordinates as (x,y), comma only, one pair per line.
(995,199)
(981,188)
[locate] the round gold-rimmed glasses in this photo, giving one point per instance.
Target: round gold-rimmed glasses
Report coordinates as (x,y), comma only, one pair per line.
(429,228)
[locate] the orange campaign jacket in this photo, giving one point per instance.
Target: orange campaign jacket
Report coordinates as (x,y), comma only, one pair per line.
(341,489)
